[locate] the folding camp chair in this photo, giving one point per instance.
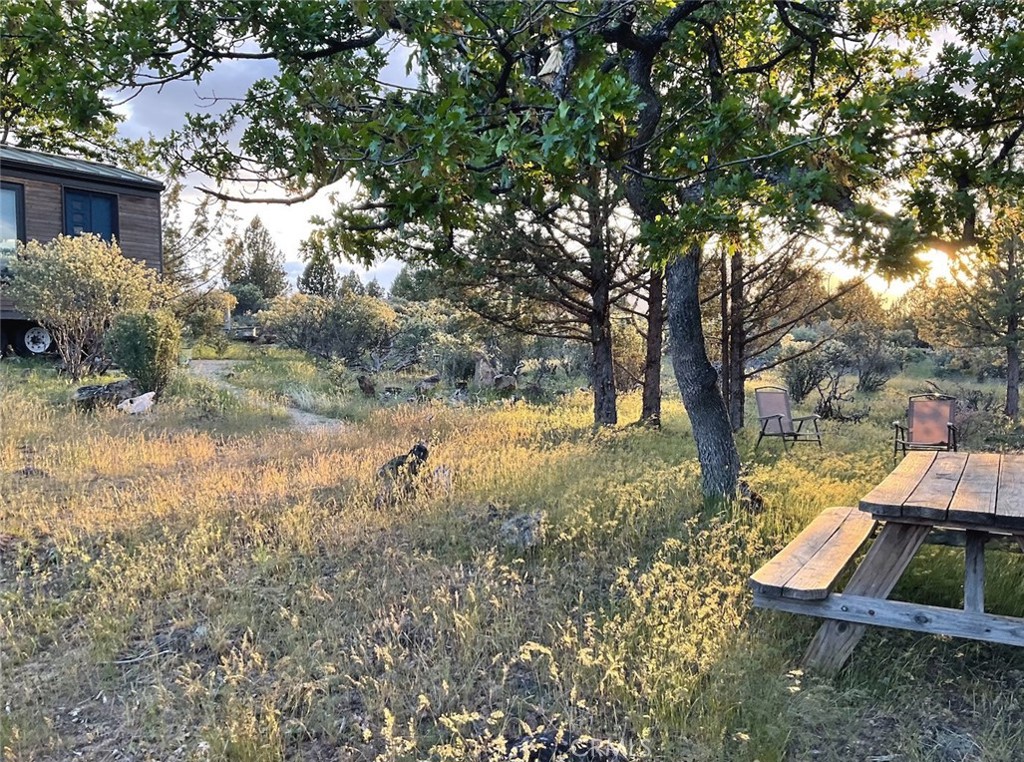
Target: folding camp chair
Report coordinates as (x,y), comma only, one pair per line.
(776,417)
(929,426)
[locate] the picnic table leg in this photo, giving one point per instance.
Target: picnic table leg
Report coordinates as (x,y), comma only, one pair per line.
(877,575)
(974,572)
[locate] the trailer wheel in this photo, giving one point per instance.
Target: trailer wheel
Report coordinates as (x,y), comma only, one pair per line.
(33,341)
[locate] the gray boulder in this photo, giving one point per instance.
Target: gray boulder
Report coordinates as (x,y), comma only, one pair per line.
(112,394)
(523,531)
(138,405)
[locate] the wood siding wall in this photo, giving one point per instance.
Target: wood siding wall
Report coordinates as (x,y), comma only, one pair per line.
(44,209)
(138,217)
(139,223)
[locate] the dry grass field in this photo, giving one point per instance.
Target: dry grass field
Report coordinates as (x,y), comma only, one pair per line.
(210,582)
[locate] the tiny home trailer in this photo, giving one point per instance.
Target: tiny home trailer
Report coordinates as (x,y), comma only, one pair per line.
(43,196)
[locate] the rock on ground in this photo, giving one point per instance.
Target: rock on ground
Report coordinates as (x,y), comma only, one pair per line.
(523,531)
(138,405)
(89,397)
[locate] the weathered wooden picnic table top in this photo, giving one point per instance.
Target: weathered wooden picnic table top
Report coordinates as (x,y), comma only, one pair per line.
(962,490)
(979,493)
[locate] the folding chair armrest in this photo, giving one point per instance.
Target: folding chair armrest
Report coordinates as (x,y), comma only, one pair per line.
(804,419)
(768,417)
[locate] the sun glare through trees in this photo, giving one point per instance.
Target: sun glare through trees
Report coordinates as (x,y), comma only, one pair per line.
(511,380)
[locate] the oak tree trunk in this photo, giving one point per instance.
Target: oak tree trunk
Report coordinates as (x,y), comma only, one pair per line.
(737,341)
(602,370)
(724,334)
(651,412)
(1013,332)
(698,382)
(1012,409)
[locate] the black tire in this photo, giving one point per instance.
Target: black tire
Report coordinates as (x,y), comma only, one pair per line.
(32,341)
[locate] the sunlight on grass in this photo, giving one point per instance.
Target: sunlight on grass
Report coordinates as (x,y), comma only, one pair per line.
(208,578)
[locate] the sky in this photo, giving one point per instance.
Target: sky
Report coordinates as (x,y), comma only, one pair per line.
(155,112)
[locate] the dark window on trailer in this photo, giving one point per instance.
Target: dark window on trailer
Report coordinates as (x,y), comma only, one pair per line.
(87,212)
(12,221)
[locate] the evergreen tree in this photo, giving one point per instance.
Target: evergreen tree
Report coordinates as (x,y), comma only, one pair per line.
(351,284)
(265,260)
(416,284)
(319,278)
(981,305)
(404,284)
(374,289)
(254,259)
(235,270)
(188,233)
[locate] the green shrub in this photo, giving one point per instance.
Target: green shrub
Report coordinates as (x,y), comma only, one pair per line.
(437,336)
(146,346)
(248,298)
(76,286)
(356,329)
(803,368)
(203,315)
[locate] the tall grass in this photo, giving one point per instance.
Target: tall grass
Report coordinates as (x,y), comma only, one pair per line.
(209,583)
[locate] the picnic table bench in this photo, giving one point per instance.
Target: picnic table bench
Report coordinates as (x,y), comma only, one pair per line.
(979,494)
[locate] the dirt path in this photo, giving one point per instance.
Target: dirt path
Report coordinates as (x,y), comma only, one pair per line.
(216,372)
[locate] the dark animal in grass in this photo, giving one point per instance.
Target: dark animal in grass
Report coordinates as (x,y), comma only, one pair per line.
(750,499)
(396,479)
(562,746)
(366,386)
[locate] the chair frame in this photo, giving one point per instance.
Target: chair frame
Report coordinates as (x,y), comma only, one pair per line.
(797,434)
(901,440)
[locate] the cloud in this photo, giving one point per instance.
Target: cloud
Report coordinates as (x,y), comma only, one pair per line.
(157,111)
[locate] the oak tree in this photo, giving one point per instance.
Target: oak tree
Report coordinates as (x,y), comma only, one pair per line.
(708,116)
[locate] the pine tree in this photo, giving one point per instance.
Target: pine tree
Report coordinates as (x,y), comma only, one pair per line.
(319,278)
(189,232)
(254,259)
(374,289)
(265,260)
(235,270)
(351,284)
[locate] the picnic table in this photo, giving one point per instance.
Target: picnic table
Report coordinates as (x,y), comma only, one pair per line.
(980,494)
